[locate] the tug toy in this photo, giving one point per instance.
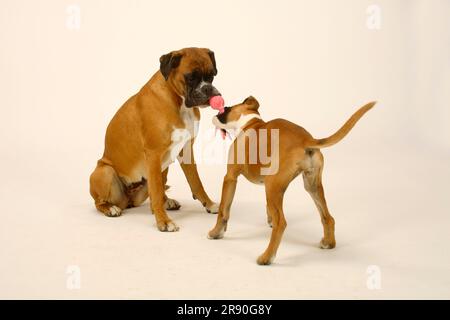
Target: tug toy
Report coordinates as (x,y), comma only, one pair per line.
(217,103)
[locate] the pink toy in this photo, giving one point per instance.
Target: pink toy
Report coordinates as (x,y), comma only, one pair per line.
(217,103)
(223,134)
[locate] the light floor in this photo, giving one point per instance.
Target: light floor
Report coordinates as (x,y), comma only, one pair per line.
(392,228)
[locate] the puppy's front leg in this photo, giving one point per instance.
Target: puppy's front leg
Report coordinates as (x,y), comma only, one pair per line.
(228,190)
(156,192)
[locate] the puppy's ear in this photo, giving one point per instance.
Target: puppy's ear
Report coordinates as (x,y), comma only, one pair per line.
(213,60)
(252,103)
(168,62)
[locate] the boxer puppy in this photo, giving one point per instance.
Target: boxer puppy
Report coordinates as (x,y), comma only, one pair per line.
(149,131)
(292,150)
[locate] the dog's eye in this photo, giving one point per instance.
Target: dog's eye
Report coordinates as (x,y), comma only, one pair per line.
(208,78)
(191,78)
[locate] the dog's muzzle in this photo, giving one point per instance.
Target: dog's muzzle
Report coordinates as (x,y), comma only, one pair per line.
(199,97)
(222,117)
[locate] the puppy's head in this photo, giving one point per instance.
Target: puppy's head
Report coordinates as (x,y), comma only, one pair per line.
(235,117)
(191,72)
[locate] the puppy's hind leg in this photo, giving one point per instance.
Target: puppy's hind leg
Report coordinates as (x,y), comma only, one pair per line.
(107,190)
(312,178)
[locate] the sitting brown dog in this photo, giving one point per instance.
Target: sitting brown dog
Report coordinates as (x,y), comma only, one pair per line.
(149,132)
(292,151)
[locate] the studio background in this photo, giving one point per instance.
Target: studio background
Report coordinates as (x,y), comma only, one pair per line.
(62,78)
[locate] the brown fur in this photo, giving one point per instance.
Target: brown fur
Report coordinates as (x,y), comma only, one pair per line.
(298,154)
(137,140)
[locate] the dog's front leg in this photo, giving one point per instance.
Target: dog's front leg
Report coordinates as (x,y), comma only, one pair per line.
(189,167)
(156,192)
(228,190)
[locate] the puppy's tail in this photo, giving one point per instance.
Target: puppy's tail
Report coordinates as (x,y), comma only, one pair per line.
(343,131)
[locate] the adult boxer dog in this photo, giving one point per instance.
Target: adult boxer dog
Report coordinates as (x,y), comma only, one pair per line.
(149,131)
(294,151)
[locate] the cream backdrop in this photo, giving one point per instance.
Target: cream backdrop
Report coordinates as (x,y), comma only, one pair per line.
(312,62)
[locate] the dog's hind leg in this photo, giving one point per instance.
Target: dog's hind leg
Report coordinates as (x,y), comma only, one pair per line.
(107,190)
(138,195)
(312,178)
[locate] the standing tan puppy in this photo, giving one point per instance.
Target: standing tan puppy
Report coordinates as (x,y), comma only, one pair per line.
(287,151)
(149,131)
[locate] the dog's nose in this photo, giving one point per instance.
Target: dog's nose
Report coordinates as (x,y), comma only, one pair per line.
(207,90)
(222,117)
(210,91)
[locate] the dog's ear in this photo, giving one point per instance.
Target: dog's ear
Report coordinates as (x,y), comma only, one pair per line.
(213,60)
(168,62)
(252,103)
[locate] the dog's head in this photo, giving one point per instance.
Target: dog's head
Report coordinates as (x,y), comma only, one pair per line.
(235,117)
(191,72)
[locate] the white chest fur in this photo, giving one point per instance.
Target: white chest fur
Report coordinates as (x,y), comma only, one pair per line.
(190,121)
(181,136)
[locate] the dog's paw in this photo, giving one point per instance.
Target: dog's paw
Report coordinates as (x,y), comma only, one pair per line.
(215,235)
(114,212)
(167,226)
(212,208)
(327,244)
(172,204)
(265,260)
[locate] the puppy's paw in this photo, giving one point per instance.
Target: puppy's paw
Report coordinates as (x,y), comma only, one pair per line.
(167,226)
(265,259)
(327,244)
(172,204)
(212,208)
(114,212)
(216,234)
